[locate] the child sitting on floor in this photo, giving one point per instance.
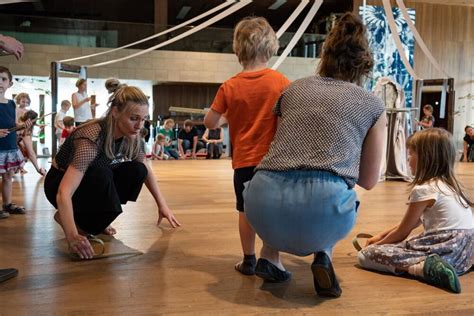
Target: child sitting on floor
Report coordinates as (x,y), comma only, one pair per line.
(159,148)
(444,250)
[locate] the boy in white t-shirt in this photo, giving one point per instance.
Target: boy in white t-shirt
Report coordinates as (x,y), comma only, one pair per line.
(58,121)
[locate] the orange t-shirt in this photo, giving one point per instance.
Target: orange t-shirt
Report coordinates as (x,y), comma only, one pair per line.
(247,100)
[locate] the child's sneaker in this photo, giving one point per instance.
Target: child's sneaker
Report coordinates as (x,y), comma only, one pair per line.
(4,214)
(438,272)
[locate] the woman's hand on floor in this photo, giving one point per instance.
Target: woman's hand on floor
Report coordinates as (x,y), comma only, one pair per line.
(165,212)
(81,246)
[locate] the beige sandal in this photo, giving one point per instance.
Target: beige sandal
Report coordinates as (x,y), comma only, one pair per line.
(96,243)
(355,241)
(100,251)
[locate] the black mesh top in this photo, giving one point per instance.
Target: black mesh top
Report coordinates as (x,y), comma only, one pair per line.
(84,148)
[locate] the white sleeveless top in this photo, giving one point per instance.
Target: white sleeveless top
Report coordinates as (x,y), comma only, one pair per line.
(83,113)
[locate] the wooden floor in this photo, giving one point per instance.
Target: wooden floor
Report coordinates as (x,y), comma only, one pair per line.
(190,269)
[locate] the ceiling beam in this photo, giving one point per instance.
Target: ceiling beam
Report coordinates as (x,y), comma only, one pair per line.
(469,3)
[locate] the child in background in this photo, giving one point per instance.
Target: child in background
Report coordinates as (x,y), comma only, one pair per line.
(11,159)
(247,100)
(68,123)
(215,142)
(444,250)
(25,141)
(428,119)
(25,136)
(23,101)
(159,148)
(58,121)
(468,145)
(167,131)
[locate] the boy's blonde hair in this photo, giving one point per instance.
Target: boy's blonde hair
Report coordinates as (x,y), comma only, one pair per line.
(64,103)
(254,40)
(160,137)
(68,121)
(21,96)
(428,107)
(168,121)
(436,155)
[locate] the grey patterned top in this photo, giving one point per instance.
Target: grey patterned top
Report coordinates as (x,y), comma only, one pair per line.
(322,126)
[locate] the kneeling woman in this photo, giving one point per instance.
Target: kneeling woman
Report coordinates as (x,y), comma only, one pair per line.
(301,199)
(98,168)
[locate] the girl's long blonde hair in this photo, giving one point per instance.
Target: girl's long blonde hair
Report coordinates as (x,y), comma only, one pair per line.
(123,99)
(436,155)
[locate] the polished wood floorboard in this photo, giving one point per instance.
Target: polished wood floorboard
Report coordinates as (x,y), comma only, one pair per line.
(190,269)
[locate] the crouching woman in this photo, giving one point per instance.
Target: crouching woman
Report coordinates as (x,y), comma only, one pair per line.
(98,168)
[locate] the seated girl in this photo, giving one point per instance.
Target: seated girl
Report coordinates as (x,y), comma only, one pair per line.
(438,202)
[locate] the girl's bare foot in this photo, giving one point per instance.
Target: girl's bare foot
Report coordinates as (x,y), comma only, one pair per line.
(109,231)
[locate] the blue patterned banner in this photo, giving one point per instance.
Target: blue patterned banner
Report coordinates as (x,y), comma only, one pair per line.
(387,62)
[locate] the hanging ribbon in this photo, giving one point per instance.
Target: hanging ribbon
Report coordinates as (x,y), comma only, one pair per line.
(292,18)
(396,38)
(309,17)
(418,38)
(199,17)
(201,26)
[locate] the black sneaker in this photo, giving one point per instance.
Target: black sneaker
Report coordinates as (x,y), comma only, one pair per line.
(325,281)
(270,272)
(439,273)
(4,214)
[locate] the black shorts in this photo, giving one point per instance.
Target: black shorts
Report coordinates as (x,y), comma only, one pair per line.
(241,176)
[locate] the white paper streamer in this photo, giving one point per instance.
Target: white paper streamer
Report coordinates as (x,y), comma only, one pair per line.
(419,40)
(199,17)
(292,18)
(201,26)
(309,17)
(393,29)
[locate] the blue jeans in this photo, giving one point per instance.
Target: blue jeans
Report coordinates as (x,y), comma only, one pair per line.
(300,211)
(171,152)
(187,145)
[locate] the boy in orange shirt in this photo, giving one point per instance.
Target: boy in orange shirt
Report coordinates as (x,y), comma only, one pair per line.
(247,101)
